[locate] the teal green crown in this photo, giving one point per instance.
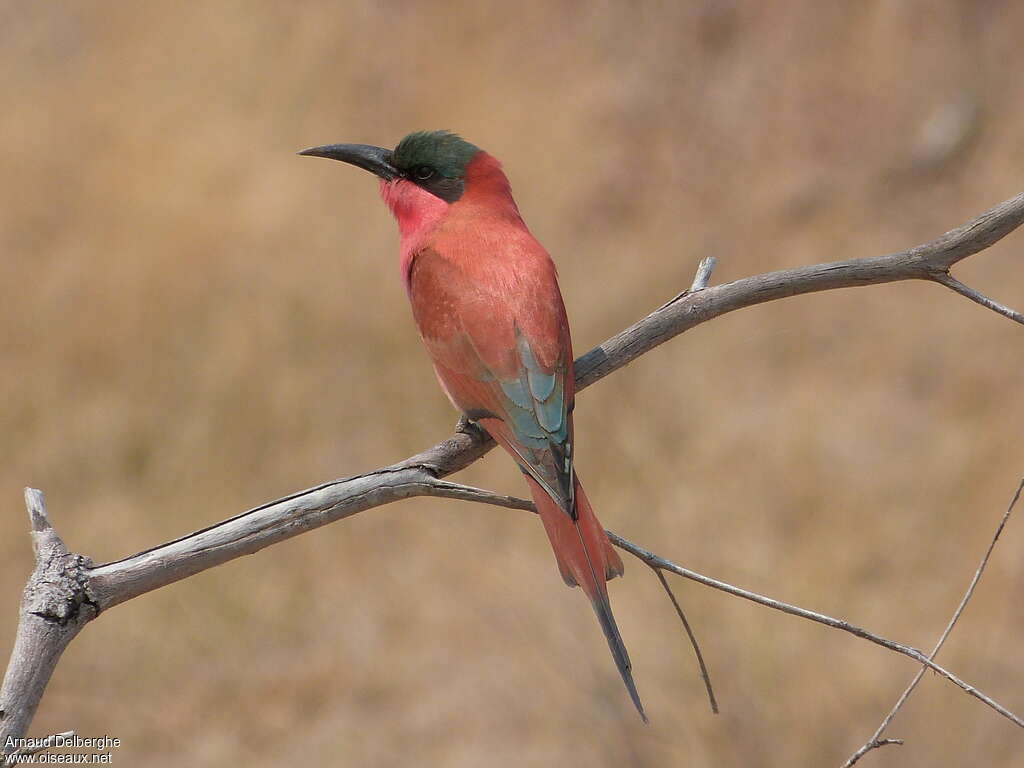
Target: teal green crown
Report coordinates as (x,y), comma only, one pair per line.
(444,151)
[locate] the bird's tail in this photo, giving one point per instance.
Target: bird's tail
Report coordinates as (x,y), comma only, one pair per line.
(586,558)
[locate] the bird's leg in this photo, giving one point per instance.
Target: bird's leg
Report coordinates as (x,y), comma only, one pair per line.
(466,424)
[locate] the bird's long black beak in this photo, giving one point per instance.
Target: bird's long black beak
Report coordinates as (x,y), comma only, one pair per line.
(376,160)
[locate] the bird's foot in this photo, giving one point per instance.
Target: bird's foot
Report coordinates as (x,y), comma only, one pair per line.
(468,426)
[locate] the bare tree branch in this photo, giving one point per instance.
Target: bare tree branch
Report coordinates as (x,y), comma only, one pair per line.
(54,608)
(66,590)
(876,739)
(249,532)
(922,262)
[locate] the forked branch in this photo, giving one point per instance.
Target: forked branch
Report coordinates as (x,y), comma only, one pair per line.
(66,590)
(876,739)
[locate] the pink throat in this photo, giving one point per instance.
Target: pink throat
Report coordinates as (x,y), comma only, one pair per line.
(415,209)
(419,213)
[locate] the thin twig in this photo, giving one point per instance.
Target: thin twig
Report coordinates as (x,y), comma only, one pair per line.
(700,281)
(873,744)
(703,276)
(35,503)
(876,740)
(656,561)
(693,639)
(659,564)
(449,490)
(965,290)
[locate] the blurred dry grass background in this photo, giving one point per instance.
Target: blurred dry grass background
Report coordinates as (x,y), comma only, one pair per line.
(194,321)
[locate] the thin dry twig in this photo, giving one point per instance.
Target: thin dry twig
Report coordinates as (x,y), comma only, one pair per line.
(658,562)
(703,276)
(693,639)
(701,279)
(876,739)
(976,296)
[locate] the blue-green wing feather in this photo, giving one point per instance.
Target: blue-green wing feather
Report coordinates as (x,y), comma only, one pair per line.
(538,413)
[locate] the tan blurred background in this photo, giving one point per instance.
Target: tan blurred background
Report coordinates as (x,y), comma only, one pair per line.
(195,320)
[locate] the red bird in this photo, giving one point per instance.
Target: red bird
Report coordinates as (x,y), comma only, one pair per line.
(485,297)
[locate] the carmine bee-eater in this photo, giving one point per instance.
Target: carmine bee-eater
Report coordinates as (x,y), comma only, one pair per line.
(485,298)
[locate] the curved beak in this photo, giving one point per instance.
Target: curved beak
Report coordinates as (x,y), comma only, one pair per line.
(376,160)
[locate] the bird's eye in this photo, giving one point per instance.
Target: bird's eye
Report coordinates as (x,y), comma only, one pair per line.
(422,172)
